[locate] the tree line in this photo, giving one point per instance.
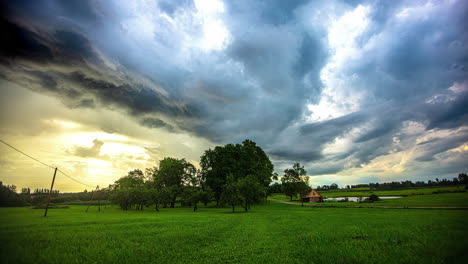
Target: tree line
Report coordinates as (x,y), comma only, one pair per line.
(10,197)
(233,175)
(279,187)
(462,179)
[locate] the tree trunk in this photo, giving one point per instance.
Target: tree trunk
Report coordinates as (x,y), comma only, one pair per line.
(173,201)
(157,209)
(246,207)
(195,208)
(219,202)
(233,208)
(290,197)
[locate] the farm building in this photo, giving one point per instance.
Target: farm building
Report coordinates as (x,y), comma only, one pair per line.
(312,197)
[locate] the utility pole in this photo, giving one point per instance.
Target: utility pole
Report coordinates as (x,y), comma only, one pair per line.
(50,192)
(99,199)
(92,196)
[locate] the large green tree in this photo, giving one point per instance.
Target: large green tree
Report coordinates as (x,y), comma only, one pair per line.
(129,190)
(295,181)
(231,192)
(250,191)
(237,160)
(172,175)
(195,191)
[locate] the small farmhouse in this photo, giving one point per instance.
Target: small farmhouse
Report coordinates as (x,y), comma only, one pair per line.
(312,197)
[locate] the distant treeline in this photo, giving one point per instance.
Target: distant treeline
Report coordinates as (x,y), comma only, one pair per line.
(10,197)
(460,180)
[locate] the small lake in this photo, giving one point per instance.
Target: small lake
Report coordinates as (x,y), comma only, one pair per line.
(356,199)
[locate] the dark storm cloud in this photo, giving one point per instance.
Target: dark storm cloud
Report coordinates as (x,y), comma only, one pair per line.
(138,98)
(22,43)
(281,66)
(330,129)
(416,55)
(449,115)
(26,42)
(377,127)
(297,156)
(100,54)
(64,63)
(412,63)
(156,123)
(429,149)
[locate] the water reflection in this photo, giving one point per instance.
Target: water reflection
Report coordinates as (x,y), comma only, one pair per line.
(357,199)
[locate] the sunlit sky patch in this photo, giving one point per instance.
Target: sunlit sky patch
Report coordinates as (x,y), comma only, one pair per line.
(357,91)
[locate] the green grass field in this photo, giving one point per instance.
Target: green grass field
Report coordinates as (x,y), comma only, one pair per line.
(274,233)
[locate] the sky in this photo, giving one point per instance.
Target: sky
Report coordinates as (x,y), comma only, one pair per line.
(356,91)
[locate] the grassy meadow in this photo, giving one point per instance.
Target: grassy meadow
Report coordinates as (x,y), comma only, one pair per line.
(273,233)
(452,196)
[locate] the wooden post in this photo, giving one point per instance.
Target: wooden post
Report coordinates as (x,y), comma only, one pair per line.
(50,192)
(99,200)
(92,196)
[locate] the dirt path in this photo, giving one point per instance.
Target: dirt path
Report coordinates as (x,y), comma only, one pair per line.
(381,207)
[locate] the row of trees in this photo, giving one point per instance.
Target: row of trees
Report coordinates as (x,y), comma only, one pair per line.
(332,186)
(9,196)
(236,175)
(461,179)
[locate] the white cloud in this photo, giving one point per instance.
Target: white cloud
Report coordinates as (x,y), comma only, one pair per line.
(215,34)
(338,98)
(459,87)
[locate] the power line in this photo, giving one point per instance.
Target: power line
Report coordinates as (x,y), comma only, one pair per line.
(75,179)
(70,177)
(27,154)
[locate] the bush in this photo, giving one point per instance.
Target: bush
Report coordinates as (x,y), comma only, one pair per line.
(374,198)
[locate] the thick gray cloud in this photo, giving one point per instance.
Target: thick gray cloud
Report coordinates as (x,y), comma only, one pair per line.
(255,75)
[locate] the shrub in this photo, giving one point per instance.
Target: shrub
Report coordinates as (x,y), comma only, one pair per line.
(374,197)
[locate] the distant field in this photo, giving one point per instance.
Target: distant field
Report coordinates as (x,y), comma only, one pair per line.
(409,191)
(275,233)
(439,199)
(428,200)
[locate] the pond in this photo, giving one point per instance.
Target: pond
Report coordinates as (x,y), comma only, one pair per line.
(356,199)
